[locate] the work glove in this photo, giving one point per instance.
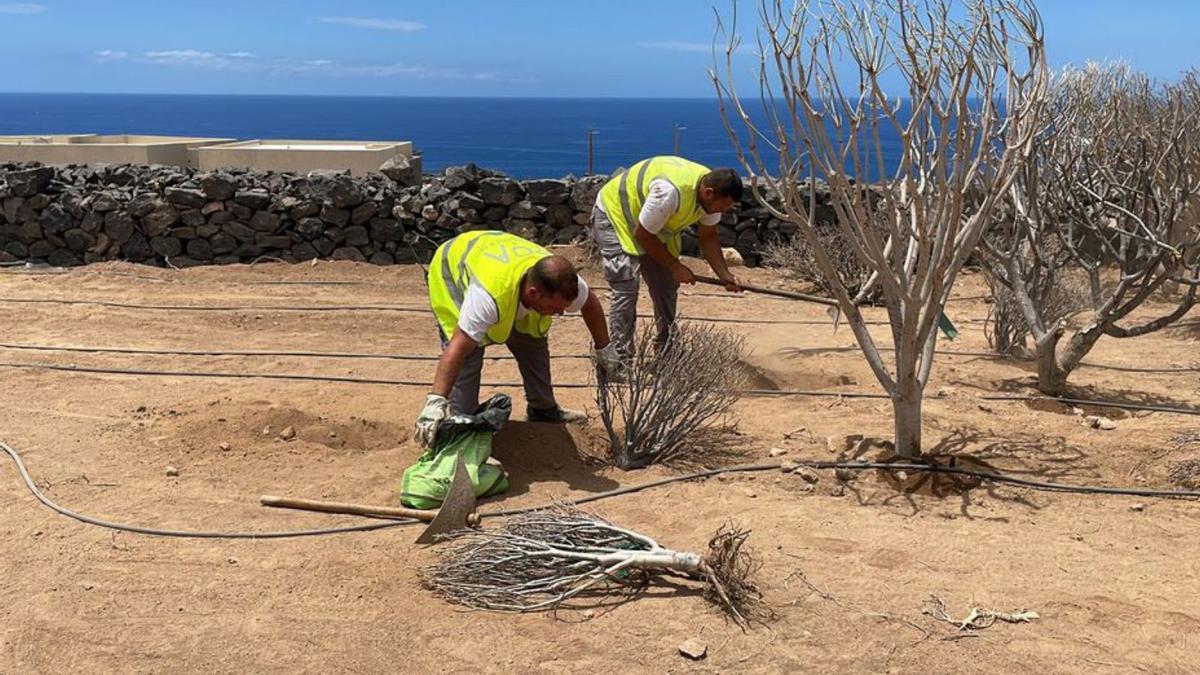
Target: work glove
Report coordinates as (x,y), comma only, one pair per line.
(608,361)
(435,410)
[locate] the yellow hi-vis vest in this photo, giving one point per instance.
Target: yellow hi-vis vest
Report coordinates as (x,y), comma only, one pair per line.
(497,261)
(623,196)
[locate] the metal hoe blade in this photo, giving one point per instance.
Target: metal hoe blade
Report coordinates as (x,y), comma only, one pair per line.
(456,508)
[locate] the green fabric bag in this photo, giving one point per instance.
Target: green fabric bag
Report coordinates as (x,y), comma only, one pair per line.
(468,436)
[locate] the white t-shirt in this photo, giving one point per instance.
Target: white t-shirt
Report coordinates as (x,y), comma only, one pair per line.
(661,203)
(479,311)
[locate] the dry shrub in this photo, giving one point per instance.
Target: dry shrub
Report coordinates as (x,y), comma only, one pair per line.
(1006,329)
(666,395)
(794,258)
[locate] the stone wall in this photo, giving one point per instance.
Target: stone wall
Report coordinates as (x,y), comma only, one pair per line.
(71,215)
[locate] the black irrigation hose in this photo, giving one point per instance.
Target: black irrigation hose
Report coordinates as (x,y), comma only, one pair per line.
(194,534)
(435,357)
(997,357)
(1102,404)
(266,376)
(573,385)
(383,308)
(213,352)
(1004,478)
(815,464)
(221,308)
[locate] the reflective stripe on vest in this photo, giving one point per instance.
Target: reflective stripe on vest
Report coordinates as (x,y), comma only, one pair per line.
(497,261)
(624,195)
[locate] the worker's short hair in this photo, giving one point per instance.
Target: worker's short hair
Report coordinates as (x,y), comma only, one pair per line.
(725,182)
(555,275)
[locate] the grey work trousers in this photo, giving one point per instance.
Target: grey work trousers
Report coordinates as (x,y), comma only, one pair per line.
(621,270)
(533,360)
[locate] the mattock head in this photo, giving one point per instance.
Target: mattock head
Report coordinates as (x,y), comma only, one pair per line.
(457,508)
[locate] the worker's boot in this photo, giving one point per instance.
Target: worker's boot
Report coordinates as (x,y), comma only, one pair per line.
(555,415)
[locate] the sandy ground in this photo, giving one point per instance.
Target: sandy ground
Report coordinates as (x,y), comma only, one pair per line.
(1113,582)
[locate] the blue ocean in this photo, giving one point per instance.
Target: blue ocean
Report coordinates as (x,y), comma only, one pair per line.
(523,137)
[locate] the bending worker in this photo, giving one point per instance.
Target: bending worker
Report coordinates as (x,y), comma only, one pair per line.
(637,224)
(490,287)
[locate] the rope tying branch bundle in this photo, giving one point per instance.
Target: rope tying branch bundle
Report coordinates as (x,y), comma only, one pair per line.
(745,468)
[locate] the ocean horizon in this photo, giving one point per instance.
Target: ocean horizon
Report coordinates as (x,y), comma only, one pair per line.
(523,137)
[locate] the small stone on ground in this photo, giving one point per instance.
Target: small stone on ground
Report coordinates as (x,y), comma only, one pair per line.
(693,649)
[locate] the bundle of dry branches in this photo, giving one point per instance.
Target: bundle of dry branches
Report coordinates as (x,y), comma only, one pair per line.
(543,559)
(665,395)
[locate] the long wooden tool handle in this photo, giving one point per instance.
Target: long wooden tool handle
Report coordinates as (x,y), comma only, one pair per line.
(771,291)
(353,509)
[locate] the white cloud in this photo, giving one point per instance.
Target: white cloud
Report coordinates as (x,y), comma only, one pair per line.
(387,70)
(375,24)
(109,55)
(21,8)
(677,46)
(188,57)
(248,62)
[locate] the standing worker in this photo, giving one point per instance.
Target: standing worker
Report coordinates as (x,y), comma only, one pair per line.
(489,288)
(637,224)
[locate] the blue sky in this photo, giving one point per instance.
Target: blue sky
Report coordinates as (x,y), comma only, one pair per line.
(646,48)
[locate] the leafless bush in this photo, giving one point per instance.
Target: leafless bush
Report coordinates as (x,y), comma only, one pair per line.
(543,559)
(795,258)
(1006,328)
(667,394)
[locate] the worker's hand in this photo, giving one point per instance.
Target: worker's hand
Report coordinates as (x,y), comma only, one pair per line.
(608,361)
(435,410)
(731,282)
(681,274)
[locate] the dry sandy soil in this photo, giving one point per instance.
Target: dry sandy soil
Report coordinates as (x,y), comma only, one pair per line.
(1114,579)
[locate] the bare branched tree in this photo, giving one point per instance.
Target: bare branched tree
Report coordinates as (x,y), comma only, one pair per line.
(969,81)
(1107,195)
(666,395)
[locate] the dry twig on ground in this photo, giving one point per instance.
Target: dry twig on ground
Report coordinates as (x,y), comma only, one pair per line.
(978,618)
(545,558)
(667,394)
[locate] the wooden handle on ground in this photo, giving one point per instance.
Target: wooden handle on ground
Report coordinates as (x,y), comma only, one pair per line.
(354,509)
